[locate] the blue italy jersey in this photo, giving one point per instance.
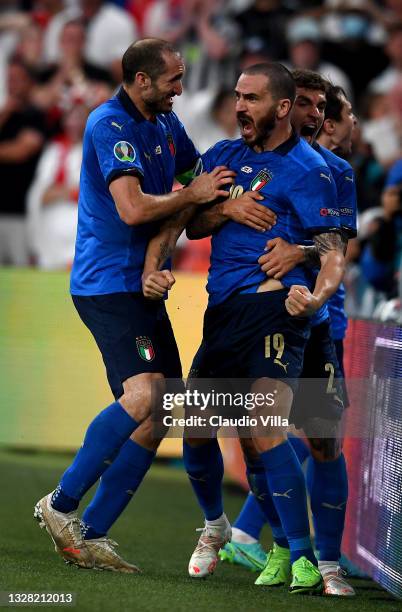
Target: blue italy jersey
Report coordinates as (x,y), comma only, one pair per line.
(344,178)
(118,140)
(296,185)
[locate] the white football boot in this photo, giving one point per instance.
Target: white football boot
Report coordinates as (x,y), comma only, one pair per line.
(335,583)
(205,556)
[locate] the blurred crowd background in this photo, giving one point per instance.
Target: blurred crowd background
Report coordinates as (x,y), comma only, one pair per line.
(61,58)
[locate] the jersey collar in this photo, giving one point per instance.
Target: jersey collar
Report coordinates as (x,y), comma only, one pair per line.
(284,148)
(129,105)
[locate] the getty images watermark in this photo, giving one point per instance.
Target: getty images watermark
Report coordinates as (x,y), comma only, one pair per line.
(213,406)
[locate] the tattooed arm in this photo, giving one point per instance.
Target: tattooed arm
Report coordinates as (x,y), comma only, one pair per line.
(155,282)
(330,248)
(283,257)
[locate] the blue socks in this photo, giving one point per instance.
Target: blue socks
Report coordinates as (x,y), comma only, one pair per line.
(259,507)
(300,448)
(116,488)
(103,439)
(327,483)
(287,486)
(251,519)
(204,466)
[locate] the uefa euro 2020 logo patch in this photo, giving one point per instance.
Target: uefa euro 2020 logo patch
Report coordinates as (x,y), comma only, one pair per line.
(145,348)
(124,151)
(259,181)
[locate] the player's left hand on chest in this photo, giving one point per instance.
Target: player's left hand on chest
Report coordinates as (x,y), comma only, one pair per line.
(280,258)
(301,302)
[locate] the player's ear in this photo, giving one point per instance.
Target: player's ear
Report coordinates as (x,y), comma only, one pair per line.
(283,108)
(328,126)
(142,79)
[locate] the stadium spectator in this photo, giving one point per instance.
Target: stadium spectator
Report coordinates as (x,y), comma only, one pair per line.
(30,45)
(370,175)
(263,27)
(382,255)
(73,77)
(58,13)
(382,129)
(109,31)
(385,81)
(21,140)
(304,38)
(207,37)
(53,196)
(354,41)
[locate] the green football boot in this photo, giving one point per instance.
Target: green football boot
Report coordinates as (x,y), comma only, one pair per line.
(306,578)
(277,568)
(251,556)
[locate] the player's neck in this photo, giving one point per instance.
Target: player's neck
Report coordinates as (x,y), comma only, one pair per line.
(278,136)
(139,104)
(326,141)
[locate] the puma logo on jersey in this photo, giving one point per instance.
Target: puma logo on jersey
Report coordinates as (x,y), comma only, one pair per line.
(322,175)
(349,178)
(286,494)
(283,365)
(116,125)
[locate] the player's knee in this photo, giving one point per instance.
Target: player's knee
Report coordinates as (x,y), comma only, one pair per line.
(251,455)
(325,449)
(141,395)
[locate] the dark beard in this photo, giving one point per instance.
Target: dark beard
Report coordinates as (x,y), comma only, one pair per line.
(264,128)
(155,103)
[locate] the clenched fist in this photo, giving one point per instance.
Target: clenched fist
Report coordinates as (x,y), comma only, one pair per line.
(301,302)
(155,284)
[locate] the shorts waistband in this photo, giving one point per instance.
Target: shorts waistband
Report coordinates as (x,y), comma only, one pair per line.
(278,295)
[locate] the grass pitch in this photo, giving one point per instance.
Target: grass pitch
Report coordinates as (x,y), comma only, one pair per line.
(157,532)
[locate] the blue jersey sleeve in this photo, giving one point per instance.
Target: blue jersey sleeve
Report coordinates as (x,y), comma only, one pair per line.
(347,202)
(117,152)
(314,200)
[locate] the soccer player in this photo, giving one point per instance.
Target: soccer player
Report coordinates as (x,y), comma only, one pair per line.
(134,146)
(246,310)
(327,477)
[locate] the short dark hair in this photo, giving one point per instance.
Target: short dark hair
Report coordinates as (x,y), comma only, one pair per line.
(335,104)
(145,55)
(310,80)
(281,83)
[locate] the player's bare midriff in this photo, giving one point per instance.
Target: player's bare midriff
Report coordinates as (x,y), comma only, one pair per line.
(271,284)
